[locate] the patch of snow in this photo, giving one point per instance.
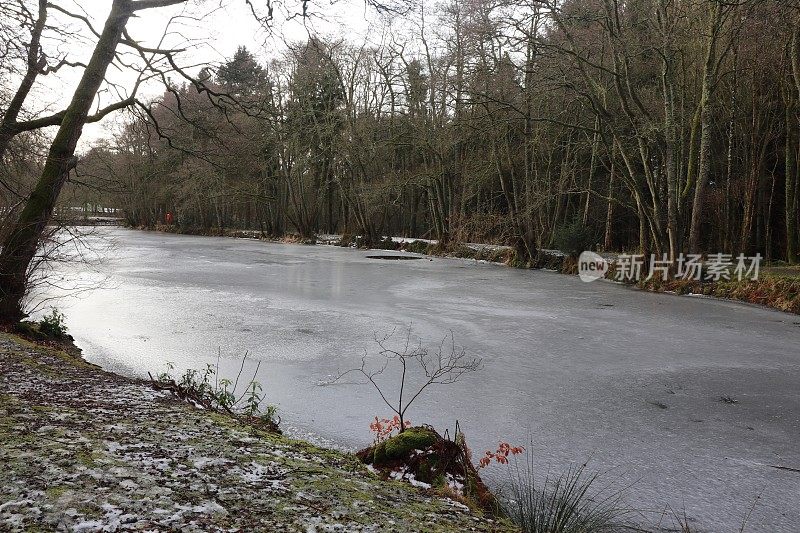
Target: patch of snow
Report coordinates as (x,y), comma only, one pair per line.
(455,484)
(128,484)
(88,525)
(410,478)
(18,503)
(457,505)
(259,474)
(208,507)
(203,462)
(416,483)
(406,240)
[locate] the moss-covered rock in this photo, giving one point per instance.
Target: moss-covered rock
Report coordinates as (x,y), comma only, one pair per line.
(412,439)
(420,454)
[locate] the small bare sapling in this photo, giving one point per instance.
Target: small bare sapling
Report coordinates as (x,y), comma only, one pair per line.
(418,367)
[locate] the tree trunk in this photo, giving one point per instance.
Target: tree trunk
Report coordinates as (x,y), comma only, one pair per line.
(670,133)
(792,178)
(608,242)
(592,163)
(702,178)
(704,166)
(792,140)
(20,246)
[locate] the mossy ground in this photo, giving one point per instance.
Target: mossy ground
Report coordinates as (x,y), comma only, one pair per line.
(83,449)
(775,291)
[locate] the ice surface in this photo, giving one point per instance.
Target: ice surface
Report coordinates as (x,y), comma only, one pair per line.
(628,380)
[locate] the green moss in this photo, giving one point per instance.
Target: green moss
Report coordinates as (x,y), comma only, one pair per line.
(27,345)
(411,439)
(379,454)
(87,459)
(55,493)
(425,471)
(224,420)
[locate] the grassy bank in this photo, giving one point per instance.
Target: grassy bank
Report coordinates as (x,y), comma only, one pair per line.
(83,449)
(775,290)
(778,287)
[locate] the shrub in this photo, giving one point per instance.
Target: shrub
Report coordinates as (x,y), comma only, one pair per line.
(382,243)
(456,250)
(493,228)
(385,428)
(566,503)
(347,241)
(421,454)
(199,389)
(53,325)
(445,366)
(500,456)
(417,247)
(573,238)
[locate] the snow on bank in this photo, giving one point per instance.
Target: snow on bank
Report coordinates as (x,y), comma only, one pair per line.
(85,450)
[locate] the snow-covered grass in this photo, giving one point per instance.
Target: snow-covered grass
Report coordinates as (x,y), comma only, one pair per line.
(85,450)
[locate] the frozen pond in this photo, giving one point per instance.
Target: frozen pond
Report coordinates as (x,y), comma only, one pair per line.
(627,380)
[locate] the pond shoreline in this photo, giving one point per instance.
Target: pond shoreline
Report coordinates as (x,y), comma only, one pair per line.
(779,292)
(87,449)
(640,377)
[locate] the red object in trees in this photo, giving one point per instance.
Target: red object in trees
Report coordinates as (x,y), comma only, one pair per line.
(169,218)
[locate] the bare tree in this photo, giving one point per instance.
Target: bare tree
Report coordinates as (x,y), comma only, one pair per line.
(445,366)
(670,125)
(20,246)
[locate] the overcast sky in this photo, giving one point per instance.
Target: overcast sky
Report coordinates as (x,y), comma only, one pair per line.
(209,30)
